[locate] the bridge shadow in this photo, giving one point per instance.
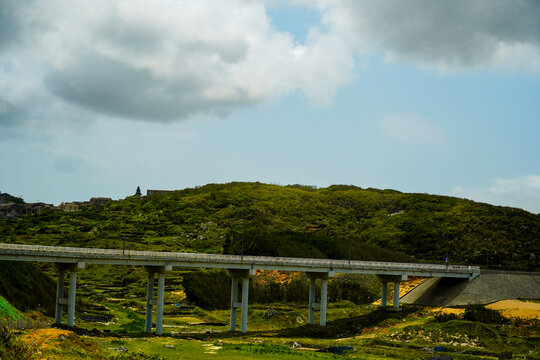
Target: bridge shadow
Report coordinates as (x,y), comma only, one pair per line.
(339,328)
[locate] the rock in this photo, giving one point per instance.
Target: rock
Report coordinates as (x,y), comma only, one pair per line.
(271,312)
(296,345)
(121,349)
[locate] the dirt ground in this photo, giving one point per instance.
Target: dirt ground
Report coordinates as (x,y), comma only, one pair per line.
(517,308)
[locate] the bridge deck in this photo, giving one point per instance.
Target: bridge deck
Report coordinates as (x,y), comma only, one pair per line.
(154,258)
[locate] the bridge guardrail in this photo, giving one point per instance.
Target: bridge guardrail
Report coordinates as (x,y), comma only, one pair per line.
(233,259)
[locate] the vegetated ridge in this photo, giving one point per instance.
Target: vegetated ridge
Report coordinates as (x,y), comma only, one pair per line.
(301,221)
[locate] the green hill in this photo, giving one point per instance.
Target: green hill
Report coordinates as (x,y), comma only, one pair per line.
(334,222)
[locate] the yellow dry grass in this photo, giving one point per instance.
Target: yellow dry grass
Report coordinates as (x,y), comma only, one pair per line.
(405,287)
(276,275)
(180,293)
(44,338)
(446,310)
(517,308)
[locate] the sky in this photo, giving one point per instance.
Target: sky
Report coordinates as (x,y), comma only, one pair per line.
(427,96)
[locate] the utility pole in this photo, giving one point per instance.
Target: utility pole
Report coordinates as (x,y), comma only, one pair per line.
(349,251)
(123,234)
(446,259)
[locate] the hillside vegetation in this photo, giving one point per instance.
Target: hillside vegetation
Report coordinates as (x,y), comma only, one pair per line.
(335,222)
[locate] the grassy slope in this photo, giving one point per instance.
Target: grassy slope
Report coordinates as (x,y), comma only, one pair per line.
(7,311)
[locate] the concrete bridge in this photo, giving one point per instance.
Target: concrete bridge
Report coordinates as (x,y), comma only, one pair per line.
(239,268)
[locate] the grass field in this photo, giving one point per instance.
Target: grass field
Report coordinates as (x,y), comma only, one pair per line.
(193,333)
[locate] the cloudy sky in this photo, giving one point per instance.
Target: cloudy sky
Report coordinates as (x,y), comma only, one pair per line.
(99,97)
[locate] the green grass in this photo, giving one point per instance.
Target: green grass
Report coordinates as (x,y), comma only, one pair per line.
(7,311)
(373,333)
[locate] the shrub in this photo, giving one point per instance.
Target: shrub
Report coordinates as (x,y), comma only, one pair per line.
(444,317)
(12,348)
(484,315)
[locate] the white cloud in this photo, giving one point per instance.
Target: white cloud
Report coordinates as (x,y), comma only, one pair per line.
(411,128)
(522,192)
(167,60)
(446,35)
(527,185)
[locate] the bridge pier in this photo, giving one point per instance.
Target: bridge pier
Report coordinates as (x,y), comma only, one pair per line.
(238,275)
(150,301)
(61,301)
(384,294)
(396,279)
(322,305)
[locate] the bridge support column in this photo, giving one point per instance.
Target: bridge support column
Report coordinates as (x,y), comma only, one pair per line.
(59,295)
(245,298)
(384,293)
(160,298)
(237,275)
(71,298)
(150,301)
(396,296)
(322,305)
(234,300)
(324,300)
(396,279)
(61,301)
(312,299)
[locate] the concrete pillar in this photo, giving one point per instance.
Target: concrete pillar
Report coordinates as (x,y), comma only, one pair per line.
(234,300)
(396,279)
(59,296)
(149,302)
(71,299)
(236,275)
(160,295)
(312,299)
(322,305)
(396,295)
(324,299)
(245,298)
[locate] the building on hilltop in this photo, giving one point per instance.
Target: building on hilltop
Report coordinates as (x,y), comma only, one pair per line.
(70,206)
(99,200)
(14,210)
(155,192)
(77,205)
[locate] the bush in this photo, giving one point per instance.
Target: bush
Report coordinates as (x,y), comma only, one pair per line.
(484,315)
(444,317)
(12,348)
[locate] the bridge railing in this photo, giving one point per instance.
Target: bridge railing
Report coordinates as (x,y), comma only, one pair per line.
(97,253)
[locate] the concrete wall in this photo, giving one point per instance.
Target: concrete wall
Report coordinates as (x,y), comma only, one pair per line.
(488,287)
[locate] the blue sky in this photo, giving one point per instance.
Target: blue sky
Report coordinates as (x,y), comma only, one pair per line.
(425,96)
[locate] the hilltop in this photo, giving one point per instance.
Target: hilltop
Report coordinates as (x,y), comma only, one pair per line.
(334,222)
